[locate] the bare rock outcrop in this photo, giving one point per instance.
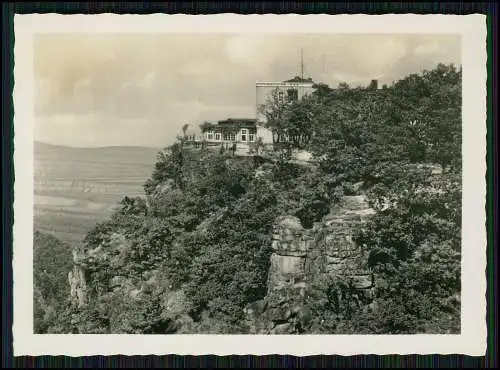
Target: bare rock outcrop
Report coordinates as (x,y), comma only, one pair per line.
(291,244)
(102,281)
(111,254)
(78,286)
(300,255)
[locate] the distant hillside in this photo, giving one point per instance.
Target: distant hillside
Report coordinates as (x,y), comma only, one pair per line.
(77,187)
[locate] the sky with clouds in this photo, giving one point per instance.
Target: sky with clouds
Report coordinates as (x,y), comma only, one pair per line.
(140,89)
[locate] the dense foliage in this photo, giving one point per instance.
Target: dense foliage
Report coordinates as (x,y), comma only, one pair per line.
(207,227)
(204,230)
(52,260)
(389,140)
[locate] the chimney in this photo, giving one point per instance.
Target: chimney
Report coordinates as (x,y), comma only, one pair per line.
(373,85)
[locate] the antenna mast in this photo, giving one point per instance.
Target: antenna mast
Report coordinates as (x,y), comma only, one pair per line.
(301,63)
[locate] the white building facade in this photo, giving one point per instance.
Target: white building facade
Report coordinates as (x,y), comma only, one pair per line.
(249,133)
(240,131)
(294,89)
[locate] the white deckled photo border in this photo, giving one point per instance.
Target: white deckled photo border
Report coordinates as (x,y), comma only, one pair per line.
(471,341)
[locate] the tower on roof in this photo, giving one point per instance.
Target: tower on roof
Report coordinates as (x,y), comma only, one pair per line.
(285,91)
(301,78)
(301,63)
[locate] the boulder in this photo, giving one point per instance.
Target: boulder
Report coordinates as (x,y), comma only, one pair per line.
(285,328)
(362,281)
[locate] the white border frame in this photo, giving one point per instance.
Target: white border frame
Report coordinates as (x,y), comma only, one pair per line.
(471,341)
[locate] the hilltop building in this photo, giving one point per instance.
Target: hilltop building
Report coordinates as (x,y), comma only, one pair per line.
(239,130)
(245,131)
(282,92)
(286,91)
(244,135)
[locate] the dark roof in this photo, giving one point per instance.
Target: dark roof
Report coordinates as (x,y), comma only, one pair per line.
(300,79)
(241,121)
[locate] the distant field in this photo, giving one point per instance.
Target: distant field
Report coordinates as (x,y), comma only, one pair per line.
(77,187)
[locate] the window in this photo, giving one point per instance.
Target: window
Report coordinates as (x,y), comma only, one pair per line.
(233,137)
(226,136)
(217,136)
(210,135)
(293,94)
(251,137)
(244,135)
(281,96)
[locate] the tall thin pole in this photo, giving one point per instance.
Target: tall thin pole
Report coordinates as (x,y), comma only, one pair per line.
(301,63)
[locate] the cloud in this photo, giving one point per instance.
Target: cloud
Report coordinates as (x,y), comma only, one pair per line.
(147,80)
(198,68)
(123,87)
(245,48)
(427,48)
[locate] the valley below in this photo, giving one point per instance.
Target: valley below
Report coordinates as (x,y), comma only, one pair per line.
(75,188)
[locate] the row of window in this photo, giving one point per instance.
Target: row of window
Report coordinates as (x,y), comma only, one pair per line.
(231,137)
(292,95)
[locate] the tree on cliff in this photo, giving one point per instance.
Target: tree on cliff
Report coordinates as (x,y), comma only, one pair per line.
(352,131)
(205,126)
(274,110)
(184,129)
(414,248)
(414,240)
(169,165)
(290,121)
(208,226)
(381,138)
(52,261)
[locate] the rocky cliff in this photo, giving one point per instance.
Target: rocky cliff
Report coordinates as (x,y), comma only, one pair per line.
(120,298)
(301,256)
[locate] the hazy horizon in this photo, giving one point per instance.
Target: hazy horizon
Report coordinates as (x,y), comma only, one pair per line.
(96,147)
(103,90)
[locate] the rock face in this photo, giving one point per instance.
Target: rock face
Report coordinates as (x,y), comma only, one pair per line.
(300,255)
(78,286)
(100,280)
(290,244)
(341,256)
(112,254)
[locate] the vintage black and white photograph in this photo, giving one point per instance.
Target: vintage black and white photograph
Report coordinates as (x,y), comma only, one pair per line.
(270,183)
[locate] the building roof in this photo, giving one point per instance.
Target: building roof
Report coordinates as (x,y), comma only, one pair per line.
(290,82)
(300,79)
(241,121)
